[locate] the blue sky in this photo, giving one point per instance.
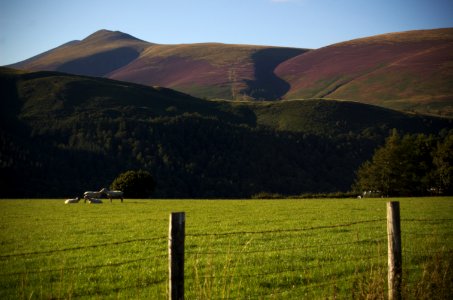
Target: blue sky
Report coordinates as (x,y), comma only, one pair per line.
(29,27)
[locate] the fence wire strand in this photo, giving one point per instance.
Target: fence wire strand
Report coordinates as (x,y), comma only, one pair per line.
(427,220)
(284,230)
(427,234)
(81,247)
(81,268)
(286,248)
(291,270)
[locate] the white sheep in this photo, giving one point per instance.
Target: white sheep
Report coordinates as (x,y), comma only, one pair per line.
(94,201)
(113,194)
(73,200)
(91,194)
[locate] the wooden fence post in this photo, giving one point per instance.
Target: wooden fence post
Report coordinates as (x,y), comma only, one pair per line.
(394,250)
(176,255)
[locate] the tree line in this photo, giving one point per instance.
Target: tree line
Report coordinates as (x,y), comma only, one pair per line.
(189,156)
(409,165)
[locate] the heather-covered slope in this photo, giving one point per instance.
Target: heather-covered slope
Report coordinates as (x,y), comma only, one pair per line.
(212,70)
(204,70)
(409,71)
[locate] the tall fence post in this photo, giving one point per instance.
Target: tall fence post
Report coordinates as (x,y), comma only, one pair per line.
(176,255)
(394,250)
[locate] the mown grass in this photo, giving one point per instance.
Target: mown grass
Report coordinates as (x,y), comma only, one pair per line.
(235,249)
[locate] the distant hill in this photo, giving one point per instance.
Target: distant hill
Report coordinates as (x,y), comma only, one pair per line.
(411,71)
(62,134)
(203,70)
(97,55)
(408,71)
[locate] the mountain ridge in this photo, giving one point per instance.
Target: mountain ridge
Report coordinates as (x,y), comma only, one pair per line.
(104,34)
(408,71)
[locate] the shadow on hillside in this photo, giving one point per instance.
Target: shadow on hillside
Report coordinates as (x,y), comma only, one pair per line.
(267,85)
(100,64)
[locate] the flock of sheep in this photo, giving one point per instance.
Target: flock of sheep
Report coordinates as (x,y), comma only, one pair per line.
(94,197)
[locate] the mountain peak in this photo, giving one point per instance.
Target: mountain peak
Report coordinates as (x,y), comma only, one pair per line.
(108,35)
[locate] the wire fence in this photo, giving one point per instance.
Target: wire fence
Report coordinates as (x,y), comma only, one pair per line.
(277,263)
(282,269)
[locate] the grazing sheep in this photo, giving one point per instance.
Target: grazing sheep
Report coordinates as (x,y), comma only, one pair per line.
(112,194)
(74,200)
(94,201)
(90,195)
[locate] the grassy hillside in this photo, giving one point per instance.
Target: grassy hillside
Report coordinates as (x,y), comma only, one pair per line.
(96,55)
(330,117)
(408,71)
(68,133)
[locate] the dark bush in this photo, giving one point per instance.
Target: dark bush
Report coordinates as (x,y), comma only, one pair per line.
(134,184)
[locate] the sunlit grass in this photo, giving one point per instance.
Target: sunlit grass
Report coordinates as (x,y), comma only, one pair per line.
(277,249)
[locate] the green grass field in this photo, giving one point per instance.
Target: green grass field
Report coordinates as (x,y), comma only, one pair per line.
(235,249)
